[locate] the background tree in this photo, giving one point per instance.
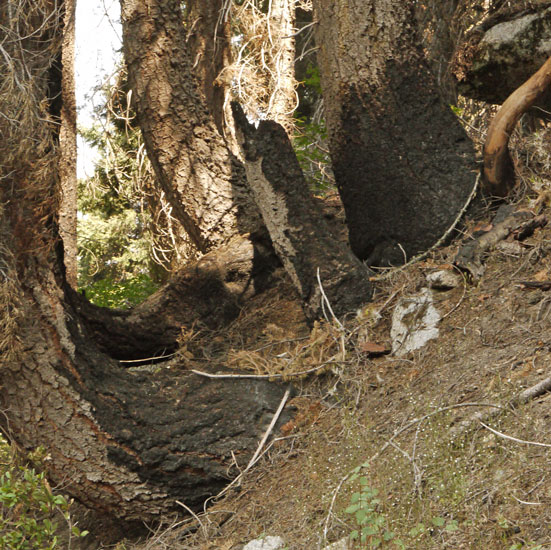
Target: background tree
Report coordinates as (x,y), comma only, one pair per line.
(402,162)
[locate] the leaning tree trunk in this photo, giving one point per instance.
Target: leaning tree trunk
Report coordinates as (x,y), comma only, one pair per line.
(204,182)
(403,164)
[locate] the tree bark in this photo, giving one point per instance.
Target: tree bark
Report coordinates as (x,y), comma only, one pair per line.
(209,36)
(316,261)
(125,443)
(403,164)
(68,146)
(499,171)
(203,180)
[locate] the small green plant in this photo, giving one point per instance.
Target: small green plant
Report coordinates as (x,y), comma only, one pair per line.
(29,510)
(371,526)
(120,294)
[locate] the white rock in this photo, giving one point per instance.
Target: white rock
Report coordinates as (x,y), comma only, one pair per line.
(343,544)
(414,322)
(267,543)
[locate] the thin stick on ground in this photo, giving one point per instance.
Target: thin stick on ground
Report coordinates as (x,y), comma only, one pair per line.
(511,438)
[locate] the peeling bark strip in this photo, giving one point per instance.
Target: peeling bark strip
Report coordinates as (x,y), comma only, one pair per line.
(402,161)
(300,236)
(499,172)
(203,181)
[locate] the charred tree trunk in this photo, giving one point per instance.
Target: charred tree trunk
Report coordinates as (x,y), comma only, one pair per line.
(203,180)
(499,172)
(125,443)
(315,260)
(403,164)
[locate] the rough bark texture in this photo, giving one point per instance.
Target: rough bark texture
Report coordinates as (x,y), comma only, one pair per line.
(499,172)
(208,35)
(125,443)
(204,182)
(300,236)
(68,146)
(403,164)
(498,56)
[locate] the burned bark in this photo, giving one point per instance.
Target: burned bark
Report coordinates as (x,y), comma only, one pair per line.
(499,171)
(403,164)
(124,443)
(299,234)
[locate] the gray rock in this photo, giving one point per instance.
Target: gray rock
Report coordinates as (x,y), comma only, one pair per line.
(444,279)
(507,55)
(267,543)
(414,322)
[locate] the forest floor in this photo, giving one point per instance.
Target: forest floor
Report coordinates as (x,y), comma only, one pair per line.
(400,446)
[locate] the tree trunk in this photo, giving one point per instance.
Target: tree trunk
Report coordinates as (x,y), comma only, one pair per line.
(209,36)
(317,262)
(68,146)
(403,164)
(125,443)
(203,180)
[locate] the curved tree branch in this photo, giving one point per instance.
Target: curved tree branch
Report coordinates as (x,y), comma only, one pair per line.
(499,174)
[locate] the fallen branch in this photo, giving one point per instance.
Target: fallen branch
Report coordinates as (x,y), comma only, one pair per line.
(469,256)
(511,438)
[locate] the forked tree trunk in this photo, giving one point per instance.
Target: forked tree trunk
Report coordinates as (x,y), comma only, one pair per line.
(402,162)
(126,444)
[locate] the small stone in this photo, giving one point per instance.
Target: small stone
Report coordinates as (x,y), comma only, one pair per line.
(444,279)
(267,543)
(343,544)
